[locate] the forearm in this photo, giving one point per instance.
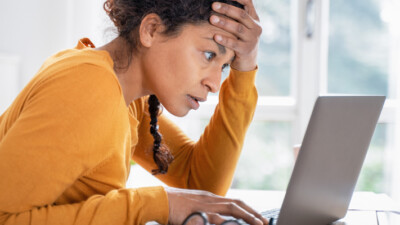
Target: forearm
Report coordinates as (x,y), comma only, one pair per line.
(124,206)
(208,164)
(216,154)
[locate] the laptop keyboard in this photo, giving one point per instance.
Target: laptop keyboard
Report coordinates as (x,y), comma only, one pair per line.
(272,215)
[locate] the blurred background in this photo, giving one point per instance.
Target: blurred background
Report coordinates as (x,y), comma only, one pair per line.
(307,48)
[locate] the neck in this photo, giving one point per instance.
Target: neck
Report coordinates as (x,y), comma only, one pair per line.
(127,67)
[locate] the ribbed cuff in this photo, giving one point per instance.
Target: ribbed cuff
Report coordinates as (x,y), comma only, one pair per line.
(241,81)
(155,204)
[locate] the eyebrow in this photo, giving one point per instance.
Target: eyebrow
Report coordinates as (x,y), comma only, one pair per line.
(221,48)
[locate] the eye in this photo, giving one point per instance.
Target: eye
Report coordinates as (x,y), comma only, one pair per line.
(226,65)
(209,55)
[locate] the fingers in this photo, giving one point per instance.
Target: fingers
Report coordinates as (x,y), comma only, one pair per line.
(183,203)
(235,20)
(231,43)
(251,210)
(233,12)
(238,29)
(246,30)
(232,209)
(249,8)
(246,208)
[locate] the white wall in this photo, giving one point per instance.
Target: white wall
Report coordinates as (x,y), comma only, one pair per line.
(34,30)
(9,66)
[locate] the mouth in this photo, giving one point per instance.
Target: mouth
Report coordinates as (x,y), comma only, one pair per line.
(198,99)
(194,101)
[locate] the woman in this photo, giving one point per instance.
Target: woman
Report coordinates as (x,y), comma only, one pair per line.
(67,139)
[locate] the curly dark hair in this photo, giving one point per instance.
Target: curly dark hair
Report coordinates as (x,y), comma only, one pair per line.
(127,16)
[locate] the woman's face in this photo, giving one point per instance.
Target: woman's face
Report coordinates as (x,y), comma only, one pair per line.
(181,70)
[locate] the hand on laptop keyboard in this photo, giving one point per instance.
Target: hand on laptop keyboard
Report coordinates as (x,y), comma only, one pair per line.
(272,215)
(183,203)
(200,218)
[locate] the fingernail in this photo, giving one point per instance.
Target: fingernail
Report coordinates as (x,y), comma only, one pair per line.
(218,37)
(214,19)
(217,5)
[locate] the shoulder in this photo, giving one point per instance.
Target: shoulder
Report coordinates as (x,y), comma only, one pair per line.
(75,62)
(69,81)
(78,57)
(78,73)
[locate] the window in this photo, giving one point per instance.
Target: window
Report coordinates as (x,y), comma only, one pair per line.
(274,61)
(358,63)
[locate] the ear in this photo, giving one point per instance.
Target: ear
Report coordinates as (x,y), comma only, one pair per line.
(149,29)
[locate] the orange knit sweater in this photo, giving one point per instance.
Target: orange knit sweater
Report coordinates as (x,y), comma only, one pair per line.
(67,140)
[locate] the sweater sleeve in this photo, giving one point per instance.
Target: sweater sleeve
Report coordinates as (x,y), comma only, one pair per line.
(123,206)
(208,164)
(66,129)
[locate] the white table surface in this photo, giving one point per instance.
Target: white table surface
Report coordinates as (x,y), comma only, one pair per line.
(366,208)
(362,209)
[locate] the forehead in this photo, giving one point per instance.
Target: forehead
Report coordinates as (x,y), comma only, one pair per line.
(205,31)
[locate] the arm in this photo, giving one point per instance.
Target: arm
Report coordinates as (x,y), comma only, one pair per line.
(124,206)
(210,163)
(62,133)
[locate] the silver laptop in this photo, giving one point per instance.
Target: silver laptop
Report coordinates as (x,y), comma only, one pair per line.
(330,159)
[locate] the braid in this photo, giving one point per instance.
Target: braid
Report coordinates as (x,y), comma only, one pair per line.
(161,154)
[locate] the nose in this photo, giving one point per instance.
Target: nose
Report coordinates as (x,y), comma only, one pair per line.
(213,81)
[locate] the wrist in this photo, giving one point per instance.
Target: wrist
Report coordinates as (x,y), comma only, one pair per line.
(244,65)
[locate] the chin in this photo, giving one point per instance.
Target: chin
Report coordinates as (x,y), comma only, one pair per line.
(181,113)
(178,112)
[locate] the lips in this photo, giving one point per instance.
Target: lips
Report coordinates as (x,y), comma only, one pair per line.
(198,99)
(194,101)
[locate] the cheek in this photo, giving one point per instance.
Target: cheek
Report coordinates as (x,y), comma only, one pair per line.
(174,69)
(183,69)
(160,66)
